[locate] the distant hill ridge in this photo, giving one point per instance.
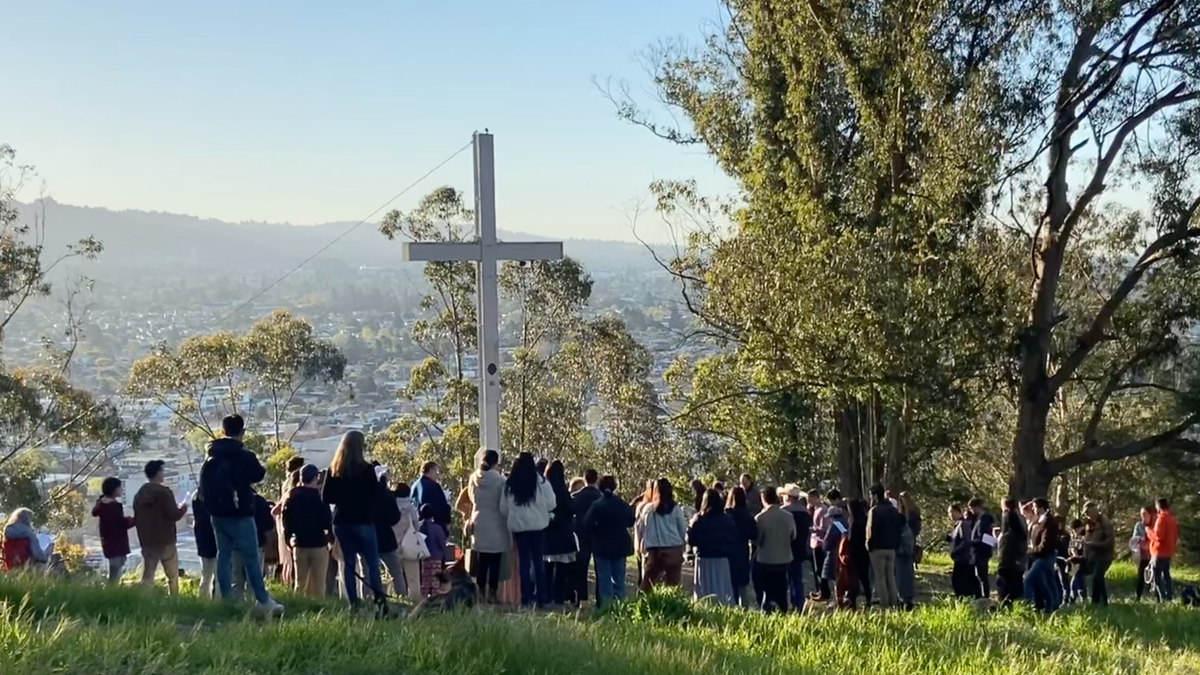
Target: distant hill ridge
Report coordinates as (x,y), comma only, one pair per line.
(175,242)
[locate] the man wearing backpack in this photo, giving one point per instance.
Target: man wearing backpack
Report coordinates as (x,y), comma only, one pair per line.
(226,485)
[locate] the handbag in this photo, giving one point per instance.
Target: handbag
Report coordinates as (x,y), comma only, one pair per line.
(412,546)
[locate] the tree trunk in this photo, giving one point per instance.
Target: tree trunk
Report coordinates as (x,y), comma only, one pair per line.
(849,450)
(897,449)
(1030,477)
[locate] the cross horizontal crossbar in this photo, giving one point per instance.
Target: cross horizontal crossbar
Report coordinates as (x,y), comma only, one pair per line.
(463,251)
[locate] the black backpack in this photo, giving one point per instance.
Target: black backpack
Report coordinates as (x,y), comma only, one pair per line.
(216,487)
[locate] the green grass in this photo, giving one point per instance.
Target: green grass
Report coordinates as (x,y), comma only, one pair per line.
(58,627)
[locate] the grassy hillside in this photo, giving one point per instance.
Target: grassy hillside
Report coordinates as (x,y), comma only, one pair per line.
(65,628)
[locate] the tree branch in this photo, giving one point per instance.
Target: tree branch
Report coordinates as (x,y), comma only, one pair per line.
(1170,438)
(1155,253)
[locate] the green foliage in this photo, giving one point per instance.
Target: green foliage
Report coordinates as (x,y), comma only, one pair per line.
(903,183)
(48,626)
(662,605)
(276,466)
(39,405)
(278,357)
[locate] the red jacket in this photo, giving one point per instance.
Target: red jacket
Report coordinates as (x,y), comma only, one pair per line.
(1163,536)
(114,528)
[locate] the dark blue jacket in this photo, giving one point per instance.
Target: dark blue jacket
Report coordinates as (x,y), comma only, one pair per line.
(427,491)
(607,525)
(983,525)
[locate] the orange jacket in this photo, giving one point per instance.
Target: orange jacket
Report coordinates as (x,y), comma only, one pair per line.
(1163,536)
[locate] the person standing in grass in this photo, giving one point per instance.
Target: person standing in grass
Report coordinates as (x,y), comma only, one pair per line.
(714,537)
(860,555)
(432,568)
(776,532)
(1139,547)
(114,527)
(308,529)
(1013,545)
(1040,582)
(354,492)
(489,531)
(561,547)
(816,542)
(410,550)
(1101,546)
(739,562)
(1076,559)
(581,502)
(962,574)
(206,546)
(155,514)
(1163,538)
(606,527)
(884,530)
(839,569)
(227,482)
(983,542)
(427,490)
(662,530)
(906,581)
(528,502)
(794,502)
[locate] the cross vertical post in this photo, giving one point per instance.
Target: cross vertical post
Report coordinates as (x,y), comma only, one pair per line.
(489,293)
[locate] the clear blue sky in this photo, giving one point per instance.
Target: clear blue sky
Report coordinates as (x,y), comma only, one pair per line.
(307,112)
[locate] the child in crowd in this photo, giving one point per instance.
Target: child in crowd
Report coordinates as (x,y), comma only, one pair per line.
(114,527)
(435,541)
(1076,561)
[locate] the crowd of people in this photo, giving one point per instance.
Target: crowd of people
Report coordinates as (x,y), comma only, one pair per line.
(532,537)
(1044,561)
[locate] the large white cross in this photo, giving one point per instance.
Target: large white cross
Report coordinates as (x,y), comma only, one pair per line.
(486,251)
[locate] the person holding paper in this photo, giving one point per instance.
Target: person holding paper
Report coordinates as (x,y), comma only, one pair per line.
(155,513)
(983,542)
(22,545)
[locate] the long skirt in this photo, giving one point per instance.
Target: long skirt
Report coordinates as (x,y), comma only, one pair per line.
(711,577)
(906,582)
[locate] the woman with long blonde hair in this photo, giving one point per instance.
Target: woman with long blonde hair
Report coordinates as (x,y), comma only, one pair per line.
(356,495)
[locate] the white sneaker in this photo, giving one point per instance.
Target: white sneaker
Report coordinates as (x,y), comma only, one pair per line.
(268,608)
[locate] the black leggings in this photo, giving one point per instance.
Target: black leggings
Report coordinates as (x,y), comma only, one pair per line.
(560,579)
(487,571)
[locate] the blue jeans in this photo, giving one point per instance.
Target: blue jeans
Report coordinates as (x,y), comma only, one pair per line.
(532,568)
(359,541)
(796,583)
(1162,578)
(1041,585)
(241,536)
(610,580)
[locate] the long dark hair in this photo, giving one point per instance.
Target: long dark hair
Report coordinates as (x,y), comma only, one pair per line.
(522,482)
(712,505)
(556,476)
(664,497)
(858,512)
(737,499)
(698,491)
